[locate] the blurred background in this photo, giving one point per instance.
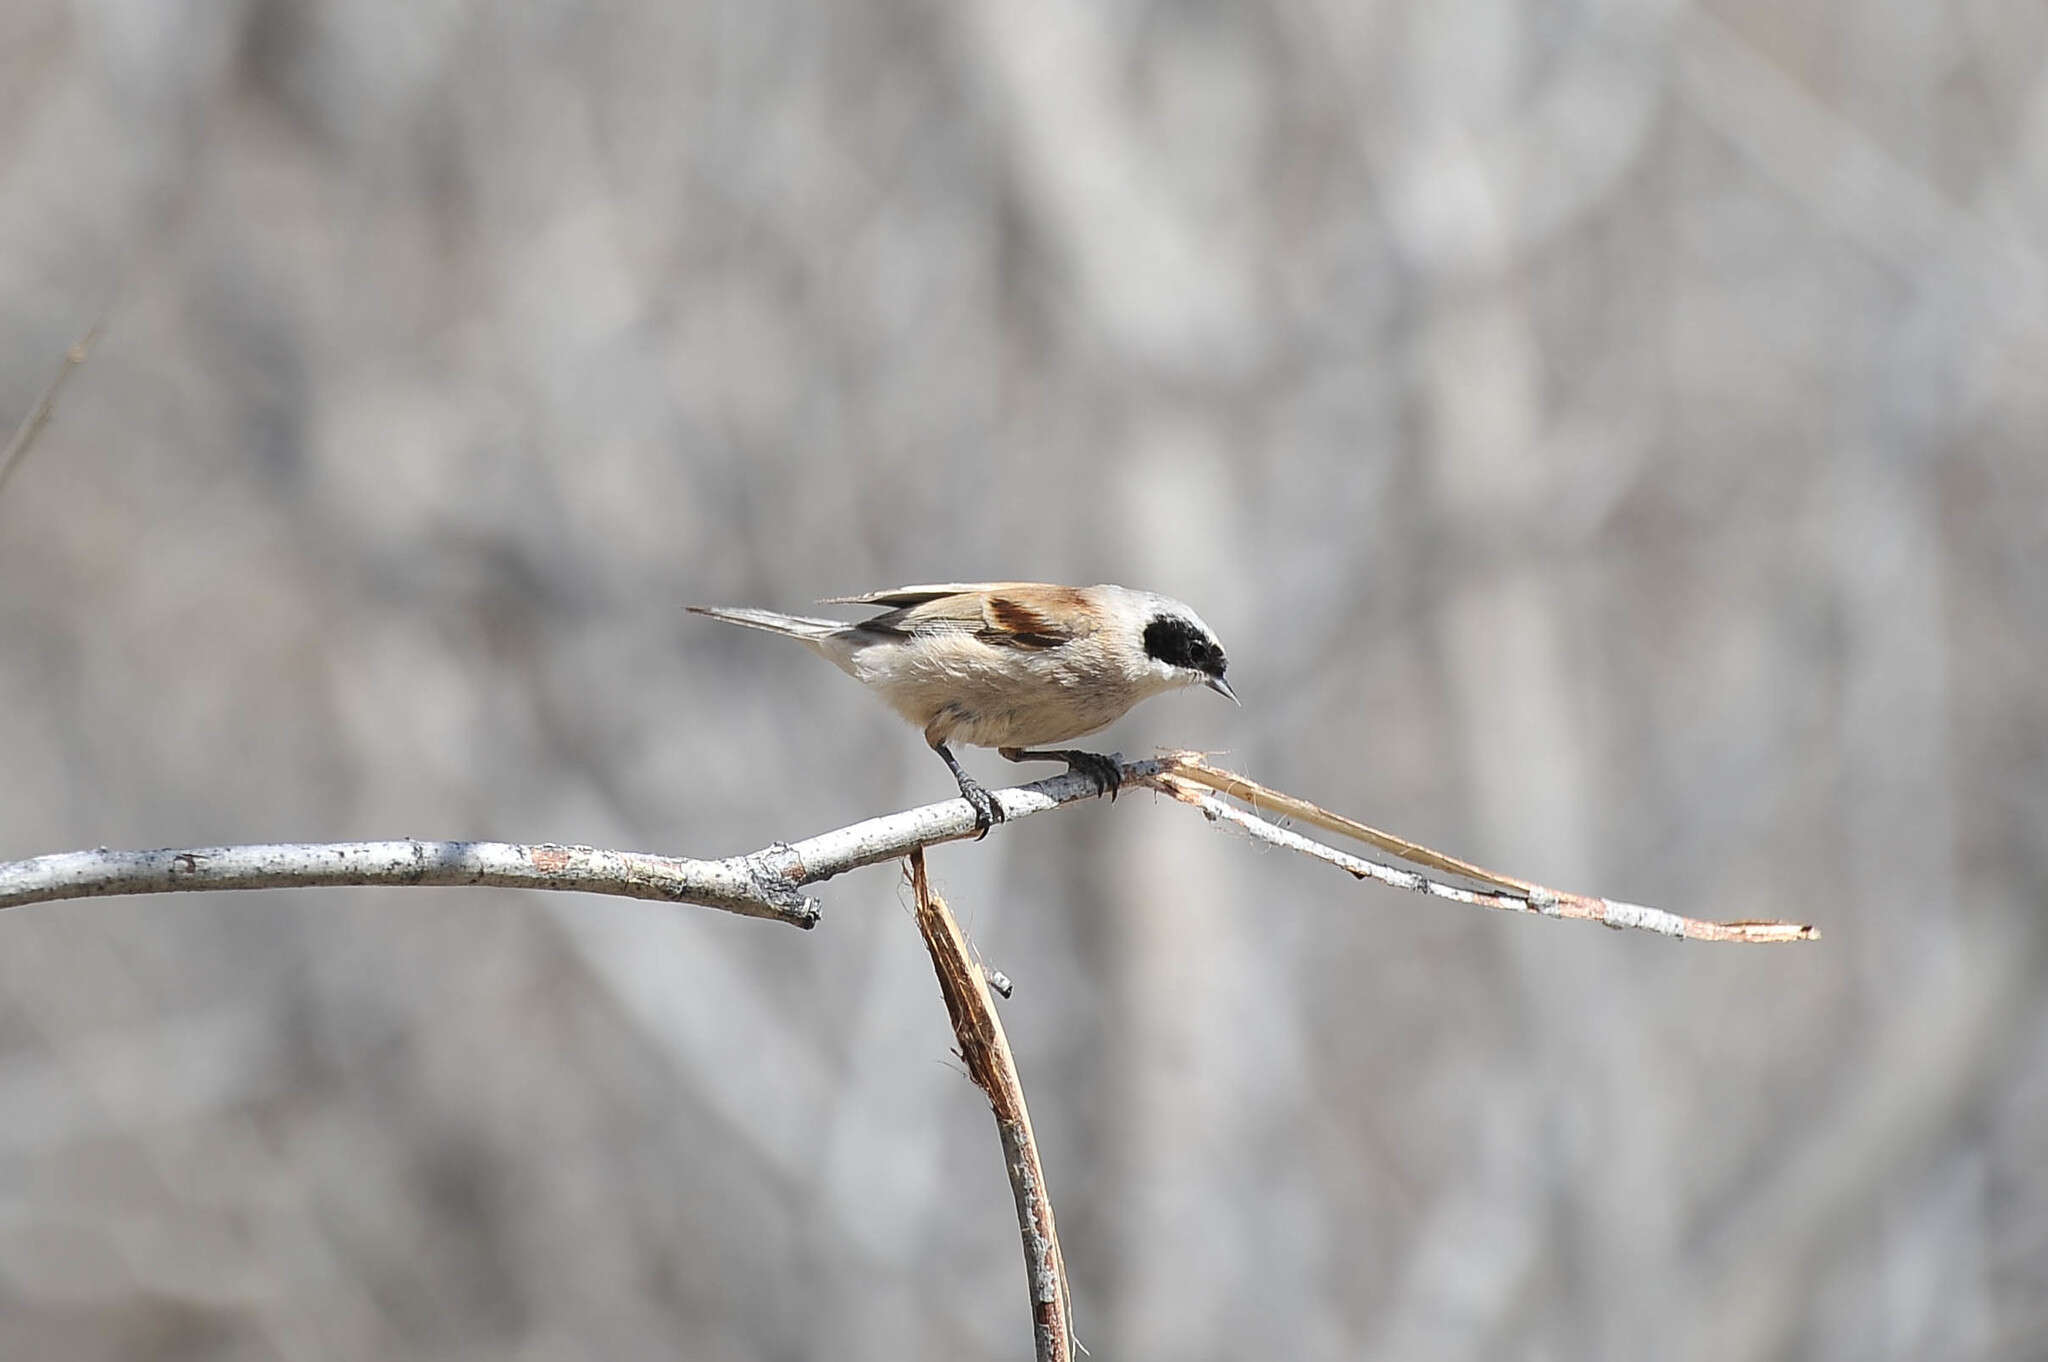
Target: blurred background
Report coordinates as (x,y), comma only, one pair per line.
(1608,437)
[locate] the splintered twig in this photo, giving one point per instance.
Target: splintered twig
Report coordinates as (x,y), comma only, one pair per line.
(1186,770)
(986,1052)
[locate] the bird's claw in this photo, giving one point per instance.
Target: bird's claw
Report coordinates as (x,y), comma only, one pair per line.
(987,813)
(1106,771)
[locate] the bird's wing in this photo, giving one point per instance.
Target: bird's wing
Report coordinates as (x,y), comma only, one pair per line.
(1031,615)
(918,595)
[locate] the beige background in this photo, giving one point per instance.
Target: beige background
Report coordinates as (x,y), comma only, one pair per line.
(1608,436)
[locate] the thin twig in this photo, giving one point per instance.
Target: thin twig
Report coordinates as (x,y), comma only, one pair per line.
(39,415)
(1264,800)
(986,1052)
(1521,896)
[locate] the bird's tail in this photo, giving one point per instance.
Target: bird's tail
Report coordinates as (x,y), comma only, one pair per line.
(796,626)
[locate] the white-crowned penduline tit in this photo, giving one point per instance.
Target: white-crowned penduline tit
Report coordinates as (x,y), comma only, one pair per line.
(1011,665)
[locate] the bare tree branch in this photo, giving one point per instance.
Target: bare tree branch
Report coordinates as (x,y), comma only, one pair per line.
(1187,769)
(741,884)
(764,883)
(767,883)
(986,1052)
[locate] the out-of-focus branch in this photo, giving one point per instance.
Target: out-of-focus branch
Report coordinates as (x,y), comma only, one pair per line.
(39,415)
(767,883)
(986,1052)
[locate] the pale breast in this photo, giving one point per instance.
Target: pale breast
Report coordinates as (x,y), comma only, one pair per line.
(960,689)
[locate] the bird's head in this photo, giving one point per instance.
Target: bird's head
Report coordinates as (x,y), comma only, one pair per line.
(1182,650)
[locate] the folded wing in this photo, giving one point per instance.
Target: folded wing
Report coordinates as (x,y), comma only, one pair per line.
(1028,615)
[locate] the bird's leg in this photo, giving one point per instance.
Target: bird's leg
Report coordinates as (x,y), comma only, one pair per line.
(987,812)
(1105,771)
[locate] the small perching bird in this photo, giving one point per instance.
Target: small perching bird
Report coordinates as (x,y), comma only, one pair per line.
(1011,665)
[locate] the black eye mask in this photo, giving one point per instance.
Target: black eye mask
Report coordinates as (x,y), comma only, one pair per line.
(1181,643)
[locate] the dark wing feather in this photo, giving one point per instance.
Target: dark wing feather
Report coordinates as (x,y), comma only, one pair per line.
(1033,622)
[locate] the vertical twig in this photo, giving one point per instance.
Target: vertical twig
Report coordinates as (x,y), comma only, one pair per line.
(987,1055)
(38,415)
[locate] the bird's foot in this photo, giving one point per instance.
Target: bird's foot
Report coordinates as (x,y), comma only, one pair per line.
(987,813)
(1102,768)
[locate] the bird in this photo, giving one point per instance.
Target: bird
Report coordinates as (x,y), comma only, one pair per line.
(1017,666)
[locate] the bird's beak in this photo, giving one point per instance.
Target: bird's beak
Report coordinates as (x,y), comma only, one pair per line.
(1222,688)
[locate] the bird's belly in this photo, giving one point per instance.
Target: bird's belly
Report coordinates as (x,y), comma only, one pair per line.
(1008,723)
(1028,702)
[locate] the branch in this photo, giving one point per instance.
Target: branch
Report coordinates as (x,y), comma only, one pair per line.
(767,883)
(764,883)
(741,884)
(986,1052)
(1185,771)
